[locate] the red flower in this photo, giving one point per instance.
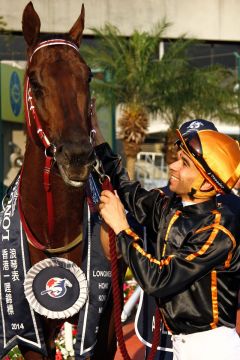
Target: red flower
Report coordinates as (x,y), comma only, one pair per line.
(58,355)
(74,331)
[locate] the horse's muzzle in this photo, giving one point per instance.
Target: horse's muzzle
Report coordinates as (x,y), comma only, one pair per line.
(75,163)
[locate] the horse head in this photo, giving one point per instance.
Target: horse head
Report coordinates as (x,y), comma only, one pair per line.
(58,106)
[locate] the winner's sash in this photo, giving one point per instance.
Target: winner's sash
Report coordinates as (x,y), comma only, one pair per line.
(97,270)
(19,323)
(145,316)
(145,326)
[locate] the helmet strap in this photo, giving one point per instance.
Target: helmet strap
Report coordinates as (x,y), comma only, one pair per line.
(197,193)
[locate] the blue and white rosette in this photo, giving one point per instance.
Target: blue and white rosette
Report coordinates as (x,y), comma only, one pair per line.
(56,288)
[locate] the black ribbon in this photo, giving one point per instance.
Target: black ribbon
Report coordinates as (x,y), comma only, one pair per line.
(98,273)
(19,323)
(145,326)
(145,317)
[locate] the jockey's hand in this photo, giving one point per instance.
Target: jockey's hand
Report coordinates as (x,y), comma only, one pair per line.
(112,211)
(99,139)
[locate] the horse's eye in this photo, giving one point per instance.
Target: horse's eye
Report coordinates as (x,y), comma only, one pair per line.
(36,87)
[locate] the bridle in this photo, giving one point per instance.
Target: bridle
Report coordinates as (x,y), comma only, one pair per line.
(29,103)
(49,151)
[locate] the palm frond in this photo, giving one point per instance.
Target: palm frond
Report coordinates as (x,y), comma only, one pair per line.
(170,86)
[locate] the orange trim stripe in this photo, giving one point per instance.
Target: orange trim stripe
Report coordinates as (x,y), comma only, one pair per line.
(214,299)
(209,241)
(216,227)
(229,234)
(166,261)
(205,228)
(230,254)
(172,221)
(219,227)
(143,252)
(132,234)
(149,256)
(204,247)
(152,259)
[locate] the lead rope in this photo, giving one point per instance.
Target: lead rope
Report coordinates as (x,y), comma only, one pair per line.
(156,335)
(117,308)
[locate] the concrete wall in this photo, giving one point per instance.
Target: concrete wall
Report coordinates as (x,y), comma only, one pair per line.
(204,19)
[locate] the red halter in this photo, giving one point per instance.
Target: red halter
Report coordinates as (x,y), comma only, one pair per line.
(29,105)
(31,115)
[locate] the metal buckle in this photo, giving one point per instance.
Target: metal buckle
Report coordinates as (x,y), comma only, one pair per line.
(50,151)
(99,170)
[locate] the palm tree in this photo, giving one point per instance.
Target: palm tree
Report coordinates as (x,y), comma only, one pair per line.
(188,92)
(130,66)
(142,84)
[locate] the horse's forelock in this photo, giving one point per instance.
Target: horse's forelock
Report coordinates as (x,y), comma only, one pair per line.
(53,36)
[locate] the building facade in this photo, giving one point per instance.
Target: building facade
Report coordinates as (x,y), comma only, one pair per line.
(214,22)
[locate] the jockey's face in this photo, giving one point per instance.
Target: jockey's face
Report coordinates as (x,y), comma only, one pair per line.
(182,173)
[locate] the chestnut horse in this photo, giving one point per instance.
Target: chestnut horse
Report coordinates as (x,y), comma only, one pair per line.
(59,156)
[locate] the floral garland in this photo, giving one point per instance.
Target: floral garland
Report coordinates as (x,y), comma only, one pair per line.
(62,353)
(129,287)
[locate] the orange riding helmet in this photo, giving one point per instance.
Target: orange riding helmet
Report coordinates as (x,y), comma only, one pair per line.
(216,156)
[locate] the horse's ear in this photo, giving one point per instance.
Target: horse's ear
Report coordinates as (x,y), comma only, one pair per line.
(30,25)
(77,29)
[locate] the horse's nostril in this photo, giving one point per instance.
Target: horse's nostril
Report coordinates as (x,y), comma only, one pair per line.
(76,160)
(65,151)
(75,155)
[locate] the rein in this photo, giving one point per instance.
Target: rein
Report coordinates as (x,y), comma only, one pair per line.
(50,152)
(106,185)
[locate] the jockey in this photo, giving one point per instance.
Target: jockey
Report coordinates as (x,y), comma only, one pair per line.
(194,272)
